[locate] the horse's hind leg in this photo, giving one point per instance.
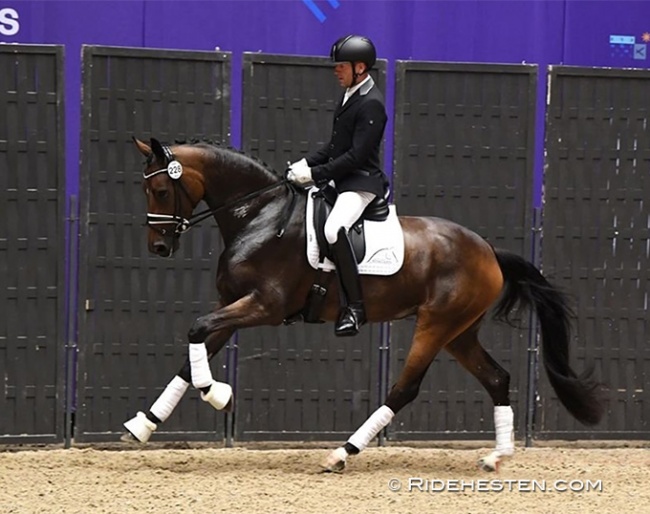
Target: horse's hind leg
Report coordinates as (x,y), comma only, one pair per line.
(468,351)
(431,334)
(140,427)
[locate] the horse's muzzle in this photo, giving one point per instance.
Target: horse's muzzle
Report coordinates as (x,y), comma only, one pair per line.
(164,247)
(161,248)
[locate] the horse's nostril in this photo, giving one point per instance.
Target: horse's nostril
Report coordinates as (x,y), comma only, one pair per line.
(160,248)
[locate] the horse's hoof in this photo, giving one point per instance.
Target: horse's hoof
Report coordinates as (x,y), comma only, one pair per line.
(139,428)
(490,463)
(333,466)
(485,465)
(335,461)
(127,437)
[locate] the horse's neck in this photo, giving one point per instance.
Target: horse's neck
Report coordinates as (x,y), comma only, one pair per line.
(233,177)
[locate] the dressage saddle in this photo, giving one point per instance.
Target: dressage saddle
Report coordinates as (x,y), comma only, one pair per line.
(324,199)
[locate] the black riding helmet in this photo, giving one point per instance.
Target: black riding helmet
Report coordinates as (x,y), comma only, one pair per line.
(354,49)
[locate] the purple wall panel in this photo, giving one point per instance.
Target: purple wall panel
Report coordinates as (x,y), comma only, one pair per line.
(481,31)
(589,26)
(573,32)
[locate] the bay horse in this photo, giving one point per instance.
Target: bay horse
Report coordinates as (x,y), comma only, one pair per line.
(449,280)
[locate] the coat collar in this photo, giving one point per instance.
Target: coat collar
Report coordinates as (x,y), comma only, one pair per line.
(362,91)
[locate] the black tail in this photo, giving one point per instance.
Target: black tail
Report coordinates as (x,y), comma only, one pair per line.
(525,285)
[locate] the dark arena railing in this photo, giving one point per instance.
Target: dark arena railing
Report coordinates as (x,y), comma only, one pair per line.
(32,245)
(88,337)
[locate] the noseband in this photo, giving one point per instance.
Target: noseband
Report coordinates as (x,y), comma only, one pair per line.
(175,170)
(154,220)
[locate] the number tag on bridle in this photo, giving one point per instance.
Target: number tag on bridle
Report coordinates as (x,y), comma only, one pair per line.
(174,170)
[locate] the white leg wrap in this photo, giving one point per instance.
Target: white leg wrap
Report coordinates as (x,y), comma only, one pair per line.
(169,398)
(199,365)
(219,395)
(140,427)
(504,428)
(373,425)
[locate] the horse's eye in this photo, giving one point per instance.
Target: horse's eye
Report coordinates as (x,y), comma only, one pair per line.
(162,194)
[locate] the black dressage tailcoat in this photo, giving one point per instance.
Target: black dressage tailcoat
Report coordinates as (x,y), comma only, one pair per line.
(351,157)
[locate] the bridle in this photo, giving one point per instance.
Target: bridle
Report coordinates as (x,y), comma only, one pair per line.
(174,170)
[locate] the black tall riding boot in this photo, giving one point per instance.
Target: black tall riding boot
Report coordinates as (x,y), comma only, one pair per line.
(353,313)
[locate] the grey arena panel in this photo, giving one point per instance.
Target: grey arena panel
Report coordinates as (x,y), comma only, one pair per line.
(595,241)
(464,147)
(32,244)
(299,382)
(136,308)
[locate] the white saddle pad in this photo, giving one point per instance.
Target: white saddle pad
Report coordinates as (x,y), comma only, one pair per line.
(384,244)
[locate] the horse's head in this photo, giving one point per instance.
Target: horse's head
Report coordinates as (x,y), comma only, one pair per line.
(173,186)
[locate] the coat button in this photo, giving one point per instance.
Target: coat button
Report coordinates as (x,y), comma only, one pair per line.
(331,159)
(331,147)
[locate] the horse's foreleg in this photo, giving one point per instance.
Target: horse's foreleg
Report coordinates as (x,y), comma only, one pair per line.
(430,336)
(141,426)
(247,311)
(468,351)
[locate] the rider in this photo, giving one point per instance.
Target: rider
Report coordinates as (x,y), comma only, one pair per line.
(351,160)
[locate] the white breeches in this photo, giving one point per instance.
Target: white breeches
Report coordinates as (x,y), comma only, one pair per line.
(347,209)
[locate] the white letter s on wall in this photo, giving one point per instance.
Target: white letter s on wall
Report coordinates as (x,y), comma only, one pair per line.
(9,25)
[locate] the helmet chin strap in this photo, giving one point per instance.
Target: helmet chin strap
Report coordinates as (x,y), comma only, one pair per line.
(355,75)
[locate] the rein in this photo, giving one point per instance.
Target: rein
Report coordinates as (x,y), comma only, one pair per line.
(197,218)
(174,170)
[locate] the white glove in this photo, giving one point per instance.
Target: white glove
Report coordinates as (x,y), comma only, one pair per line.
(300,173)
(301,162)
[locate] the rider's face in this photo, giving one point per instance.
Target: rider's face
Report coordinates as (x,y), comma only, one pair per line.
(343,72)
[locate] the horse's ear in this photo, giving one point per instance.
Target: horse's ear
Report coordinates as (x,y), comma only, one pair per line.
(142,147)
(157,150)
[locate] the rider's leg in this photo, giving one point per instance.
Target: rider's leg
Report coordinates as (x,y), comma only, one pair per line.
(348,208)
(346,211)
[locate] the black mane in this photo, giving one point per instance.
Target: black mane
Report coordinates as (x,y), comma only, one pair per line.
(220,147)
